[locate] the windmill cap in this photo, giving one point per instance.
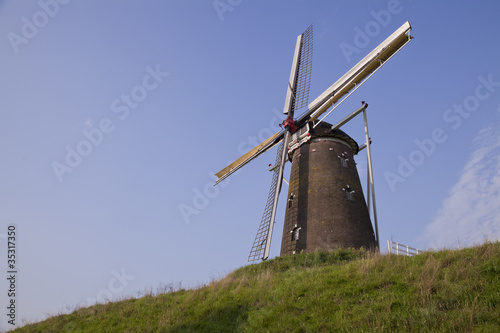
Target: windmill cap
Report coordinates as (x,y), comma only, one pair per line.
(324,129)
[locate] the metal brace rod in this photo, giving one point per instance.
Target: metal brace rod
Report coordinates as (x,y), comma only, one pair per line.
(272,168)
(349,117)
(370,174)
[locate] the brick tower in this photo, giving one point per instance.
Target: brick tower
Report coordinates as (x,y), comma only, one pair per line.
(326,208)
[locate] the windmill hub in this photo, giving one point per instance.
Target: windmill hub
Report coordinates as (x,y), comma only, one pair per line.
(290,124)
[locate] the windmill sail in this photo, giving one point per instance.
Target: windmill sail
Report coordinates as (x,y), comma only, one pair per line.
(250,155)
(304,72)
(359,73)
(259,243)
(297,95)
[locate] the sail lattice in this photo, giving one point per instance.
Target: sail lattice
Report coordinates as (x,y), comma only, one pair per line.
(259,244)
(305,69)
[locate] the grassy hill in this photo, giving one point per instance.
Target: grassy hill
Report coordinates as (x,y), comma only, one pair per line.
(340,291)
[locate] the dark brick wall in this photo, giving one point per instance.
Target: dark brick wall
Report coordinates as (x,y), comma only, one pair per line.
(317,202)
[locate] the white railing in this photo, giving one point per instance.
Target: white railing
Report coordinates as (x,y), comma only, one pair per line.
(400,249)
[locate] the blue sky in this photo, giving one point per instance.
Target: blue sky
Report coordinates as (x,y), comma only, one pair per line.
(157,96)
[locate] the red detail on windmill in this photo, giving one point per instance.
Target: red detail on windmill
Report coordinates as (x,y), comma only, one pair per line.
(290,123)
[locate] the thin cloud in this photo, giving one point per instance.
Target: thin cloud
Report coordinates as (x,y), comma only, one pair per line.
(471,212)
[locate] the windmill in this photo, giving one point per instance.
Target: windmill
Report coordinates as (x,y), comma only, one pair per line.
(325,206)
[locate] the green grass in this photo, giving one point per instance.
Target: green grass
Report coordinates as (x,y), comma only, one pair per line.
(339,291)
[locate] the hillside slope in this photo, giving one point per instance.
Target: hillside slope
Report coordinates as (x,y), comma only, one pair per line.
(340,291)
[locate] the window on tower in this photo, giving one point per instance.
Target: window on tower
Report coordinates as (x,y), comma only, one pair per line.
(343,159)
(349,193)
(295,233)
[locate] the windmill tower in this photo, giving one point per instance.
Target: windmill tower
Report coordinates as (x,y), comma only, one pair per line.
(325,207)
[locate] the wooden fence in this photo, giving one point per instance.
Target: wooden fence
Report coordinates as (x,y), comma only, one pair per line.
(400,249)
